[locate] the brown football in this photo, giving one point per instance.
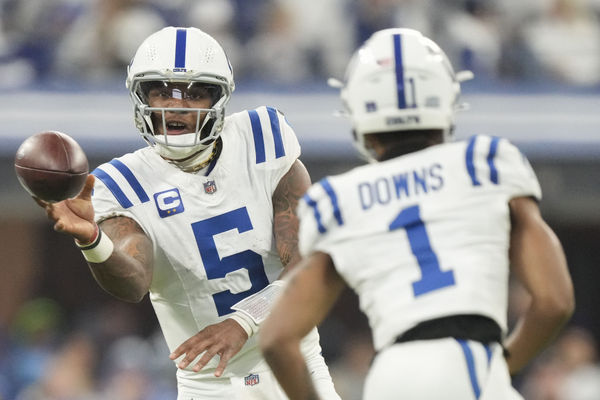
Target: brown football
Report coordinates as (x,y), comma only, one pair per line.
(51,166)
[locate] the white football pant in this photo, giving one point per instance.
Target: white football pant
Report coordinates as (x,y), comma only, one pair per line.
(440,369)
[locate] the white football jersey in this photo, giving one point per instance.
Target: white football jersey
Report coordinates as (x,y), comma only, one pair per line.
(422,236)
(212,232)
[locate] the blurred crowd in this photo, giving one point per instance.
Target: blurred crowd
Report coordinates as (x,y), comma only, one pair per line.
(296,41)
(98,354)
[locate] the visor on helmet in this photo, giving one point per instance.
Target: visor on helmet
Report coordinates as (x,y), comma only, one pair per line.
(152,91)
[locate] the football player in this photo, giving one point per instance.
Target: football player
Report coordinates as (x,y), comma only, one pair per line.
(426,235)
(203,218)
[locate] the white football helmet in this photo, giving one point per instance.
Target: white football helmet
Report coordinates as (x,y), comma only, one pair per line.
(399,80)
(181,56)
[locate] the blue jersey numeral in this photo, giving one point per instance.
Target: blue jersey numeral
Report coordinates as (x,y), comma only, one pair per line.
(432,277)
(217,268)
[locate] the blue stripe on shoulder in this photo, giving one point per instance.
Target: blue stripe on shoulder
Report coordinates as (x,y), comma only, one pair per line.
(470,162)
(276,130)
(135,184)
(113,187)
(259,143)
(317,215)
(490,159)
(470,366)
(334,201)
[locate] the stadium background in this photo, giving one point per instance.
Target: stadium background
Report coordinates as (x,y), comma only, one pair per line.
(62,63)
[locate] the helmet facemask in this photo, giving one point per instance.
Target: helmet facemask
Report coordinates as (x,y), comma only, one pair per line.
(194,144)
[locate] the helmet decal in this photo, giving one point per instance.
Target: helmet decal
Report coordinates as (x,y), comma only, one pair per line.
(180,42)
(399,70)
(397,81)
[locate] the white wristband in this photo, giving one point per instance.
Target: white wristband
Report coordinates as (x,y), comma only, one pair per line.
(98,251)
(245,322)
(258,306)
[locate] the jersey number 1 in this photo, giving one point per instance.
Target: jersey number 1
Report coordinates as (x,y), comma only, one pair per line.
(432,277)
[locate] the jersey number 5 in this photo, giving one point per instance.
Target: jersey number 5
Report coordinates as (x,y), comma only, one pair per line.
(217,268)
(432,277)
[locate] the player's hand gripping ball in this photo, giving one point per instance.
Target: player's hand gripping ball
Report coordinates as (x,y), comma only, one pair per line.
(51,166)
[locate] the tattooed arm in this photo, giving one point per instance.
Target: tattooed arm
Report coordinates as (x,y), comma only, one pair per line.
(290,189)
(127,273)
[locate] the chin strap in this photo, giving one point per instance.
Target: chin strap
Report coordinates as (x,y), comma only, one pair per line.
(196,161)
(190,165)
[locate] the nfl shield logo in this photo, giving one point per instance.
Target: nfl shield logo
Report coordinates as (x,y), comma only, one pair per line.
(251,380)
(210,187)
